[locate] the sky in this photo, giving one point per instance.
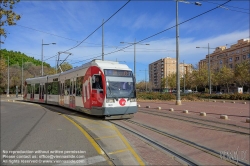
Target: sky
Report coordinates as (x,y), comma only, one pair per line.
(73,26)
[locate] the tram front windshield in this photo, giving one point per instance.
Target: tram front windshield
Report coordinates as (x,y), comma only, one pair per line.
(120,87)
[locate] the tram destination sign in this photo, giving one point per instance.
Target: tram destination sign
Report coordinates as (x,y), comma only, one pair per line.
(118,73)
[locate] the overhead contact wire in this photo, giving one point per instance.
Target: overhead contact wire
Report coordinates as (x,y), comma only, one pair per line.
(99,26)
(157,33)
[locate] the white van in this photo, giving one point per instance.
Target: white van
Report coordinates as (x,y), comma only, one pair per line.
(188,91)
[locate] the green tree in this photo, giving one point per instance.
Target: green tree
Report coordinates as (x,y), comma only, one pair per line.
(66,66)
(172,81)
(7,16)
(3,71)
(242,73)
(140,85)
(201,77)
(163,83)
(226,76)
(215,78)
(18,57)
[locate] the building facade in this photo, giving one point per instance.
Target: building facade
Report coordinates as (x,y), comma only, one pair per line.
(229,57)
(163,68)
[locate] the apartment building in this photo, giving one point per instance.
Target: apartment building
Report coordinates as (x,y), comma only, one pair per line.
(163,68)
(230,57)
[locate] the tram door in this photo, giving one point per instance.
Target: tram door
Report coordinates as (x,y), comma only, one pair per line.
(41,93)
(97,91)
(61,98)
(32,88)
(72,93)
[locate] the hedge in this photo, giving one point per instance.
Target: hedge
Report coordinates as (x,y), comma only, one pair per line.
(191,96)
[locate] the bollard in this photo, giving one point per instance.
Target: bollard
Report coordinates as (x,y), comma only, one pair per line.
(203,114)
(171,109)
(147,106)
(224,117)
(185,111)
(159,108)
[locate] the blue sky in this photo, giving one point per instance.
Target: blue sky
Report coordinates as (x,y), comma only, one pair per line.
(67,23)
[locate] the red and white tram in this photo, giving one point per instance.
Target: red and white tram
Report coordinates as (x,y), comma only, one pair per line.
(102,88)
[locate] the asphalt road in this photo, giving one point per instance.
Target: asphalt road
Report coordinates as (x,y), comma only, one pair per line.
(33,134)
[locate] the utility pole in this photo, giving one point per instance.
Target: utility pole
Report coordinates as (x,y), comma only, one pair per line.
(178,97)
(42,53)
(102,40)
(183,77)
(8,88)
(135,59)
(22,79)
(209,73)
(134,55)
(59,65)
(209,68)
(145,78)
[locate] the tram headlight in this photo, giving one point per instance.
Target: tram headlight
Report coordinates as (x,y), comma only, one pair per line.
(110,100)
(133,100)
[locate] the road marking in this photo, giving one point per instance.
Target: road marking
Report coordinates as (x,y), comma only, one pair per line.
(128,146)
(97,128)
(87,161)
(119,151)
(111,136)
(98,123)
(91,140)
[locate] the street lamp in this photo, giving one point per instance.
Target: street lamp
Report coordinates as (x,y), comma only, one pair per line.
(209,70)
(178,98)
(134,53)
(42,53)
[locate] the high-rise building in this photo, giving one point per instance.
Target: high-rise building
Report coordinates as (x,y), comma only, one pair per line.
(163,68)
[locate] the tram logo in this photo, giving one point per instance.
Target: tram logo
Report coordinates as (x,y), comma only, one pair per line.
(122,102)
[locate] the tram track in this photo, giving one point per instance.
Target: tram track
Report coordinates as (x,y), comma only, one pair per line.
(180,157)
(177,156)
(201,122)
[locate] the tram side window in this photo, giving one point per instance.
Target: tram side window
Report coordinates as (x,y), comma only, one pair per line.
(73,84)
(55,88)
(49,88)
(67,87)
(79,86)
(97,82)
(37,88)
(29,88)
